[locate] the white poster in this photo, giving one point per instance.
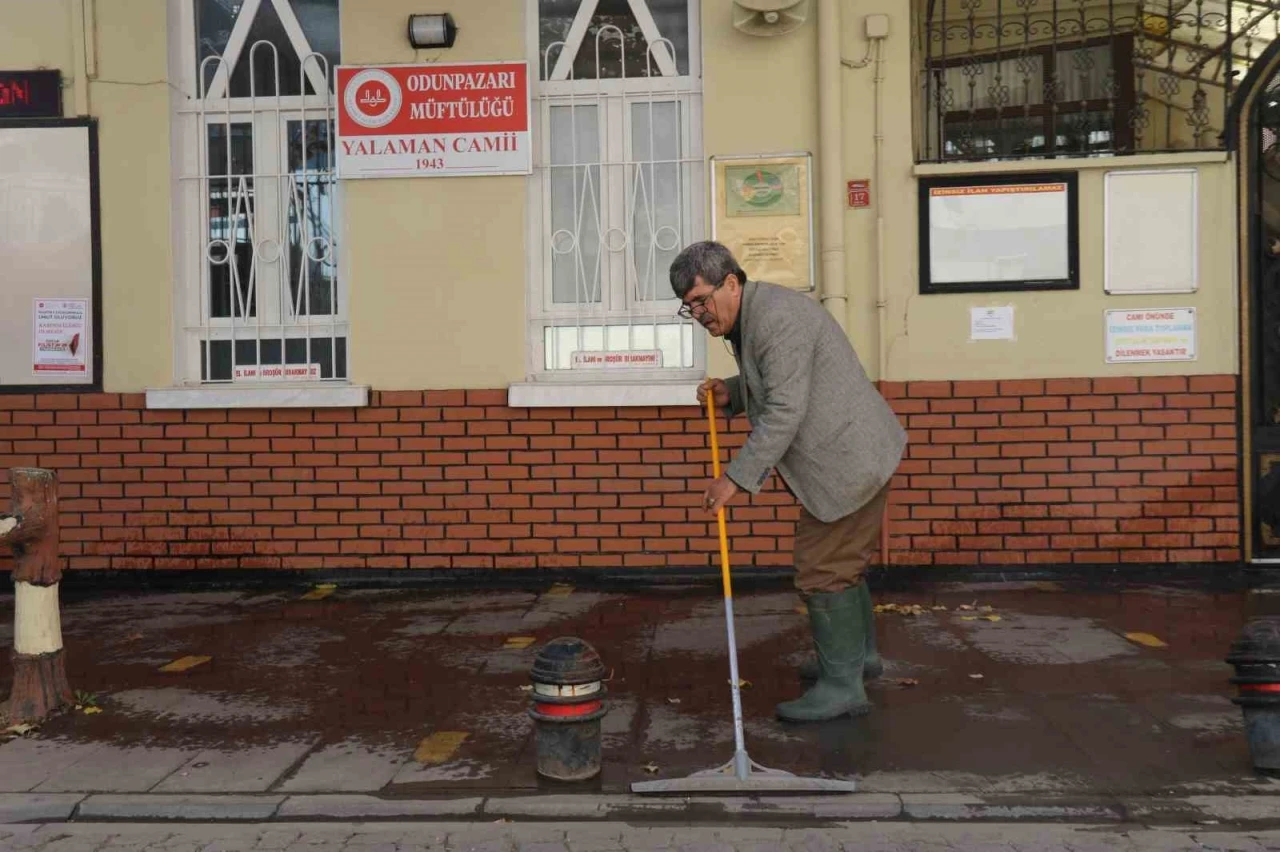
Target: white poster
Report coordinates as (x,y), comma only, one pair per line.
(991,323)
(646,358)
(60,338)
(1160,334)
(999,233)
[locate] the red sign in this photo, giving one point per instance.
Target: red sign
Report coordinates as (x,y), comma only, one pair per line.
(467,118)
(30,94)
(860,193)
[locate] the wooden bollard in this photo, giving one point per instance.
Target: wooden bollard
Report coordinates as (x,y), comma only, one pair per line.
(39,667)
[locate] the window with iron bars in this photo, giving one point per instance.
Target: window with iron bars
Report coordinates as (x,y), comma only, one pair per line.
(617,191)
(1017,79)
(257,207)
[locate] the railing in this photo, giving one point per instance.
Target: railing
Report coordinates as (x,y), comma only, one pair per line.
(1025,79)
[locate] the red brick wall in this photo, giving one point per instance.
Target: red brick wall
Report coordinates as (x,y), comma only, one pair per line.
(1101,470)
(1068,470)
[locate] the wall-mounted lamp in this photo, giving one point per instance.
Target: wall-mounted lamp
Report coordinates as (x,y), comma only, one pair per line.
(432,30)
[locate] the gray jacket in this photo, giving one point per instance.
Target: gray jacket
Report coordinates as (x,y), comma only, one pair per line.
(814,414)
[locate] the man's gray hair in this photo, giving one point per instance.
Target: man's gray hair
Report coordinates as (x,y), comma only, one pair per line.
(708,260)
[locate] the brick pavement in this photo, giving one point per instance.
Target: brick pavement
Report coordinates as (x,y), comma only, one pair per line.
(618,837)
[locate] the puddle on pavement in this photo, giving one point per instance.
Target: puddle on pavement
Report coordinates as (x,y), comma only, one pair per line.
(363,676)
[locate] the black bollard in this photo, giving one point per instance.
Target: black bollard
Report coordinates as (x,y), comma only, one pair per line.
(568,704)
(1256,657)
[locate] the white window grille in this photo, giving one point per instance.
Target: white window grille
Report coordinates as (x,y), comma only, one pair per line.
(260,298)
(618,187)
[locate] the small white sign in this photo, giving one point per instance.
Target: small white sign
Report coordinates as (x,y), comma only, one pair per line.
(276,372)
(60,340)
(644,359)
(991,323)
(1159,334)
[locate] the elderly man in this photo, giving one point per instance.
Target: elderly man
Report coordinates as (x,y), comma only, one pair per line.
(835,442)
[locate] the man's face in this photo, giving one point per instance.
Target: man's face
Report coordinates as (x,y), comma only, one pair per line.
(715,308)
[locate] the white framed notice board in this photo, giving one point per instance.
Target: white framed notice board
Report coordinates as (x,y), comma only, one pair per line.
(1152,231)
(50,256)
(999,232)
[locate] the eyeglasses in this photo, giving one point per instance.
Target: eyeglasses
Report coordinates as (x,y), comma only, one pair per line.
(697,306)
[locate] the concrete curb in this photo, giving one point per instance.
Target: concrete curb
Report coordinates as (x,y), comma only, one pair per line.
(914,807)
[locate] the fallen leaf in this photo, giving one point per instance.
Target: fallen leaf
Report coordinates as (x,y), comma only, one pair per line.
(908,681)
(133,637)
(89,711)
(673,700)
(19,730)
(559,590)
(968,618)
(990,618)
(439,747)
(1145,639)
(939,608)
(528,687)
(518,642)
(320,592)
(742,684)
(182,664)
(650,768)
(977,676)
(965,607)
(988,609)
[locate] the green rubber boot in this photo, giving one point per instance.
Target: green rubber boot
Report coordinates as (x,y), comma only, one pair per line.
(837,622)
(873,667)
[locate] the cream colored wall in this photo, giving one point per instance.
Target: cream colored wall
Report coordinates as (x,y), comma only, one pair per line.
(1060,333)
(126,91)
(759,95)
(436,265)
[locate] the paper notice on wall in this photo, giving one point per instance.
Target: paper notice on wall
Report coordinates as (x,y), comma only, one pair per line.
(636,359)
(276,372)
(991,323)
(1162,334)
(60,338)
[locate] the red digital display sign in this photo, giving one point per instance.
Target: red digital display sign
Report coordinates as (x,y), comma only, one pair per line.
(30,94)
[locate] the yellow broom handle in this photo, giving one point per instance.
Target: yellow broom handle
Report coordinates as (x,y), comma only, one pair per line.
(715,467)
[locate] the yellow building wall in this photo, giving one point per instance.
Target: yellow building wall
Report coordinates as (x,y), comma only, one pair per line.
(126,90)
(437,267)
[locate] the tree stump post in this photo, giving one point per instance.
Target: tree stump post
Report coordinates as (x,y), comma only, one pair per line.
(39,668)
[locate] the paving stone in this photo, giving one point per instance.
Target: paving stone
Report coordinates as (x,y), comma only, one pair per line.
(372,807)
(28,807)
(238,771)
(346,767)
(116,769)
(26,764)
(144,807)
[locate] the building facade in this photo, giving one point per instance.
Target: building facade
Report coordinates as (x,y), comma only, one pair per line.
(1046,226)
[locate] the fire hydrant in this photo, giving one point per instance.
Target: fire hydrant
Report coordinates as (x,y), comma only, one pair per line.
(31,529)
(568,704)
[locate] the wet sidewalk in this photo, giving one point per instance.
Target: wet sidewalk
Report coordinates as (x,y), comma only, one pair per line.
(1022,692)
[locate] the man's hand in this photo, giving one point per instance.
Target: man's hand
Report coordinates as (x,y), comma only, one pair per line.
(718,388)
(720,493)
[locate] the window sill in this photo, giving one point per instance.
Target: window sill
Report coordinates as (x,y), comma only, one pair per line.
(262,396)
(619,395)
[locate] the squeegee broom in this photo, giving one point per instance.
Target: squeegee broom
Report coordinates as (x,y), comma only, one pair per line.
(742,774)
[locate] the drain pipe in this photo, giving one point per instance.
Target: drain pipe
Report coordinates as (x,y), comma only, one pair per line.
(835,296)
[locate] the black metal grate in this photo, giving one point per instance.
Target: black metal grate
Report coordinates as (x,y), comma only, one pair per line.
(1025,79)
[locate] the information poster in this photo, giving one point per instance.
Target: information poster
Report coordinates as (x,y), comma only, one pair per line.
(1001,233)
(991,323)
(60,337)
(1160,334)
(434,120)
(763,213)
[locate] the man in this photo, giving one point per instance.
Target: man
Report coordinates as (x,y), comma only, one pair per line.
(818,420)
